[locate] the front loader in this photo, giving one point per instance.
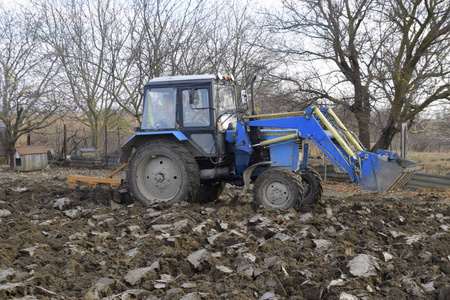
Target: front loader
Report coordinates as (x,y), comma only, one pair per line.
(196,135)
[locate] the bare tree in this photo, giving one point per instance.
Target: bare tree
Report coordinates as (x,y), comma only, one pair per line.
(360,54)
(413,68)
(27,79)
(235,39)
(81,34)
(155,38)
(179,38)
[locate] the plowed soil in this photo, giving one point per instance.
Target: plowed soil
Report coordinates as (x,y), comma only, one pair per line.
(94,243)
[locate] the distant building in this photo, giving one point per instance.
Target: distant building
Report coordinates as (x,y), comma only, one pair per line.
(30,158)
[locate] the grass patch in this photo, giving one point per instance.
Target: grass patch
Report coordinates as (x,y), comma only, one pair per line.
(433,162)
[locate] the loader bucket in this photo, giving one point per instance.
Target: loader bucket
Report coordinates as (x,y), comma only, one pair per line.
(385,171)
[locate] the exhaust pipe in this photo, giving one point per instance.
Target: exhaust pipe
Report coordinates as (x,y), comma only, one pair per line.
(253,95)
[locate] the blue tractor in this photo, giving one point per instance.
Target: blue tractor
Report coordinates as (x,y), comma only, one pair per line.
(196,135)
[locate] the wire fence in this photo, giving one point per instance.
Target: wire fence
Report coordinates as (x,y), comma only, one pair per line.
(65,141)
(429,181)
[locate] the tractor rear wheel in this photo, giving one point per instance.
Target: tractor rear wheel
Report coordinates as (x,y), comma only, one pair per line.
(163,171)
(312,185)
(209,192)
(278,188)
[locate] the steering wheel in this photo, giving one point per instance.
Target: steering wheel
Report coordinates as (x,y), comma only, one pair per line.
(162,124)
(200,119)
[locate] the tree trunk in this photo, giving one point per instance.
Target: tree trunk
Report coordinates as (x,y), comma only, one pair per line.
(9,148)
(387,136)
(10,154)
(363,128)
(94,134)
(361,108)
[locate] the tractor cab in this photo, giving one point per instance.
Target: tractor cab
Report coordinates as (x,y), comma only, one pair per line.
(198,106)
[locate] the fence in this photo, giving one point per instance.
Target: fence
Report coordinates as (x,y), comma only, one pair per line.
(108,141)
(66,138)
(429,181)
(110,162)
(418,181)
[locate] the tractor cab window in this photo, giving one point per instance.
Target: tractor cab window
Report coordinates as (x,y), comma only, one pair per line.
(226,105)
(159,109)
(195,108)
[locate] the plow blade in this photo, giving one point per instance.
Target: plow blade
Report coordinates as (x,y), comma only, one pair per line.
(76,180)
(385,171)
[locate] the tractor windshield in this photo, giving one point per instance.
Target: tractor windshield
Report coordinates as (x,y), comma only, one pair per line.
(159,109)
(226,104)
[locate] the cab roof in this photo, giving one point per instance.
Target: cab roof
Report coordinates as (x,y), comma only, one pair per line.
(181,79)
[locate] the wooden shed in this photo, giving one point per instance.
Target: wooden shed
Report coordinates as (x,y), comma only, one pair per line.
(30,158)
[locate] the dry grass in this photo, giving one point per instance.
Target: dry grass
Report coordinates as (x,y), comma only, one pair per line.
(437,163)
(433,162)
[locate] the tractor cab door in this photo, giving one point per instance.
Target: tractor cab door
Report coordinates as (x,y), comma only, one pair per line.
(196,117)
(226,103)
(159,108)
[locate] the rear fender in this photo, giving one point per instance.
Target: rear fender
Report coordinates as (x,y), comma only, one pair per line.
(141,138)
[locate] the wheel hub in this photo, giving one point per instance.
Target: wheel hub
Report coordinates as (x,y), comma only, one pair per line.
(277,193)
(160,178)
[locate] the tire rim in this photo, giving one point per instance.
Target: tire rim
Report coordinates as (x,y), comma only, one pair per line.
(159,177)
(277,193)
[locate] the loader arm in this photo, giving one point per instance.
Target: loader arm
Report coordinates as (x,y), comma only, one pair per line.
(309,128)
(379,171)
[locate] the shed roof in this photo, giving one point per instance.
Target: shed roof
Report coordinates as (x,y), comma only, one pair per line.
(26,150)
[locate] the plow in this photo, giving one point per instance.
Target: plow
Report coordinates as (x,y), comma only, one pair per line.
(77,180)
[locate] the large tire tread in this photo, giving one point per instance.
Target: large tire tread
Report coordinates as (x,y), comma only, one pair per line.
(311,177)
(183,157)
(291,180)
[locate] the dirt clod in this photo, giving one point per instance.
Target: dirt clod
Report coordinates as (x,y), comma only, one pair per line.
(90,243)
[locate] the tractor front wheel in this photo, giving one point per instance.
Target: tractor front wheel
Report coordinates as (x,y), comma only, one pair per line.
(163,171)
(278,188)
(312,185)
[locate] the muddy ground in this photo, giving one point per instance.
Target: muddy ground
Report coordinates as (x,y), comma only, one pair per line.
(57,243)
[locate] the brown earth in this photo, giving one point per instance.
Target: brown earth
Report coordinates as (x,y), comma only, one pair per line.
(57,243)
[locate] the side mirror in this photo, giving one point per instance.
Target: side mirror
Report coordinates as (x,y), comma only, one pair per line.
(244,99)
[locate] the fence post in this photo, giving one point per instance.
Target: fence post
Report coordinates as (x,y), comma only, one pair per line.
(118,137)
(403,140)
(106,145)
(65,142)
